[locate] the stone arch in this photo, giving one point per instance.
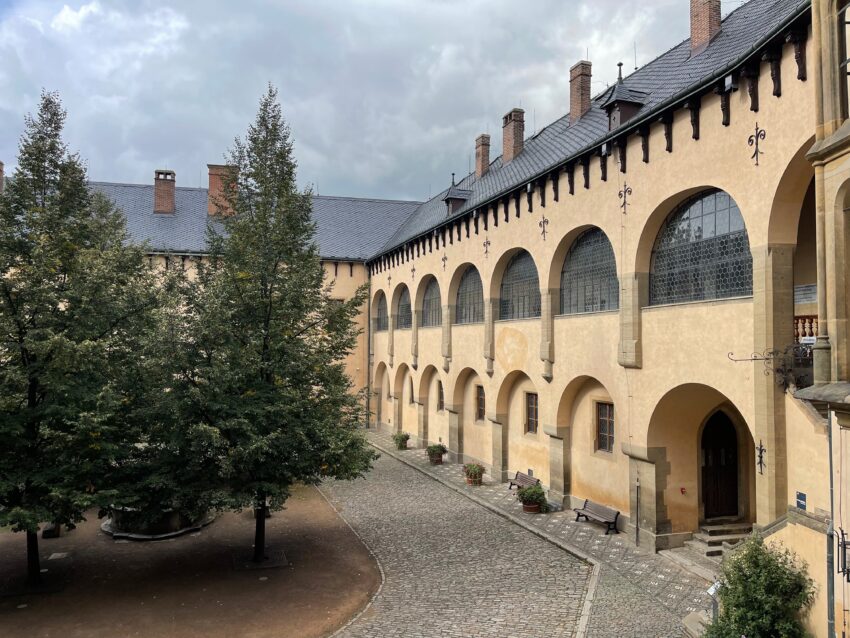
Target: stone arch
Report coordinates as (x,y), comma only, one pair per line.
(785,209)
(593,468)
(456,417)
(592,260)
(405,416)
(519,449)
(520,300)
(428,282)
(400,294)
(473,433)
(493,286)
(380,311)
(427,401)
(474,309)
(670,467)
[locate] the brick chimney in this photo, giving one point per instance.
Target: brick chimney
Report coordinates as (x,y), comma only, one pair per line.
(513,134)
(216,202)
(482,155)
(705,23)
(580,75)
(163,192)
(2,177)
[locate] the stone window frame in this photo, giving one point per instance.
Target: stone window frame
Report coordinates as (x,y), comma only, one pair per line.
(404,313)
(480,402)
(610,433)
(441,399)
(469,302)
(532,413)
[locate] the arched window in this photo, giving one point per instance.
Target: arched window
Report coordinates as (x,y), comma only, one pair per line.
(470,298)
(702,252)
(382,319)
(589,276)
(405,314)
(519,297)
(432,312)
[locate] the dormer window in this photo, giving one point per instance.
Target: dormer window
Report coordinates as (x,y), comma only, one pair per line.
(455,198)
(623,102)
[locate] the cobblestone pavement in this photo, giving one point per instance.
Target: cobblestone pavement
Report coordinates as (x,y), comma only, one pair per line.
(638,593)
(453,568)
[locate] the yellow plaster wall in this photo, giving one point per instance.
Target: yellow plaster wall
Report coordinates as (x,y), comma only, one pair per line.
(477,439)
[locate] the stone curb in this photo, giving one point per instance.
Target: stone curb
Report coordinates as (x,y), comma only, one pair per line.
(584,619)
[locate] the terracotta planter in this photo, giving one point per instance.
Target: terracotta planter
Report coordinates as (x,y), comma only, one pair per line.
(473,481)
(531,508)
(436,460)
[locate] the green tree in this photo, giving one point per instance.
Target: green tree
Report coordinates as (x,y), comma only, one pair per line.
(764,593)
(74,305)
(265,398)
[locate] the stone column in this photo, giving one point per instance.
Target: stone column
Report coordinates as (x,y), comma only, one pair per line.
(836,276)
(634,295)
(773,327)
(559,486)
(414,339)
(398,406)
(491,311)
(822,355)
(547,331)
(648,471)
(448,322)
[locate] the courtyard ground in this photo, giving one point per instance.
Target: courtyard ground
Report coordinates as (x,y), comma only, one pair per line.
(187,587)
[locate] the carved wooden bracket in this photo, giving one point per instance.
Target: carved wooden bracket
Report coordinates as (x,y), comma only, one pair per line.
(667,121)
(621,153)
(571,178)
(585,169)
(751,74)
(603,166)
(798,38)
(693,105)
(643,131)
(774,56)
(529,192)
(554,176)
(724,103)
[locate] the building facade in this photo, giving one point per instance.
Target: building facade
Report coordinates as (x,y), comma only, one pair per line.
(631,304)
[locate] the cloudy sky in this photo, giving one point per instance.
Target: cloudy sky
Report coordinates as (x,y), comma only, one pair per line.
(385,97)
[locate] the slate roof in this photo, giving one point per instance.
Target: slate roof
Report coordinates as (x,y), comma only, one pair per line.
(347,228)
(622,93)
(664,82)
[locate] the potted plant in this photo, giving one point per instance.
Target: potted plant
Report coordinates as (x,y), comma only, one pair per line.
(401,439)
(533,499)
(473,472)
(435,453)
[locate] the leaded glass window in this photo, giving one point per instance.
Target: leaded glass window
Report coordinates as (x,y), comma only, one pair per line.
(405,313)
(605,427)
(702,252)
(844,58)
(432,312)
(470,298)
(589,276)
(519,297)
(531,413)
(382,319)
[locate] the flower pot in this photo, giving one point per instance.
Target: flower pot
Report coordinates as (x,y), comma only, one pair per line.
(401,446)
(473,481)
(436,460)
(531,508)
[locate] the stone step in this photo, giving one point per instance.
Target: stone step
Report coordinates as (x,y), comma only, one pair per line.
(694,562)
(719,540)
(704,549)
(726,529)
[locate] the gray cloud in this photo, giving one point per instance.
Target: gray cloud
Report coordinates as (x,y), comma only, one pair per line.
(385,97)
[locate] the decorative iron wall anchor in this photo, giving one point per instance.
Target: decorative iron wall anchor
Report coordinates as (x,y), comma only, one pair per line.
(486,246)
(543,223)
(413,273)
(624,196)
(445,260)
(754,140)
(760,450)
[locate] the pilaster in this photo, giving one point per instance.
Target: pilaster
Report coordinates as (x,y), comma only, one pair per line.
(448,322)
(547,331)
(634,294)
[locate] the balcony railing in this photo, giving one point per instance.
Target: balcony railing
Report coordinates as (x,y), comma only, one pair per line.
(805,328)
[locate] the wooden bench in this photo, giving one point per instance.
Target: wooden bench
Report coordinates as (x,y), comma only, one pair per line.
(523,480)
(599,513)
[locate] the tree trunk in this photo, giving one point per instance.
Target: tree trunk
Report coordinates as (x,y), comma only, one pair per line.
(260,532)
(33,559)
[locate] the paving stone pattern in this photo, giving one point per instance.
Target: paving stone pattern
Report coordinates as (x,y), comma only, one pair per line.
(638,593)
(453,568)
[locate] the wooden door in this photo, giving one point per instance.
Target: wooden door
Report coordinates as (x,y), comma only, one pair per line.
(719,467)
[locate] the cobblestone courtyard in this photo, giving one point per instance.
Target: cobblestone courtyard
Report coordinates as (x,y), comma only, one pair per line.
(454,568)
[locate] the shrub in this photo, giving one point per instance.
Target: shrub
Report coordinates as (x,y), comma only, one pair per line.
(473,470)
(438,449)
(764,592)
(401,439)
(531,495)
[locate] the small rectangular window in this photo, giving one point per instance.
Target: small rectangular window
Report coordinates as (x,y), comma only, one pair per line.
(411,390)
(605,427)
(531,413)
(441,402)
(479,403)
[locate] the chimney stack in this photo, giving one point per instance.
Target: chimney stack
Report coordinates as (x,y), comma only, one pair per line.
(513,134)
(580,75)
(216,201)
(163,192)
(705,23)
(482,155)
(2,178)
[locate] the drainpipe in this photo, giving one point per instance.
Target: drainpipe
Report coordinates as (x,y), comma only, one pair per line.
(369,357)
(830,546)
(637,512)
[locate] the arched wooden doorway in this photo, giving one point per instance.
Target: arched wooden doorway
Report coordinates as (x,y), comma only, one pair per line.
(719,460)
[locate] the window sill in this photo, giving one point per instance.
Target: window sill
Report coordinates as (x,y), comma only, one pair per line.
(517,320)
(724,300)
(585,314)
(604,454)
